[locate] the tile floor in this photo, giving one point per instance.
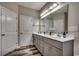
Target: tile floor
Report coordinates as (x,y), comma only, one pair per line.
(25,52)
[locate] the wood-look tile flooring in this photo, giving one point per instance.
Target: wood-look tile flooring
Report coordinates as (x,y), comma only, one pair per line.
(31,51)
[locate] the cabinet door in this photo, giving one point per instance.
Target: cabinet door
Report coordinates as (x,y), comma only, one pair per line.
(50,50)
(46,49)
(38,42)
(41,46)
(34,39)
(54,51)
(60,52)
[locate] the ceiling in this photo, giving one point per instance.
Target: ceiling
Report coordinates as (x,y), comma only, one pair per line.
(33,5)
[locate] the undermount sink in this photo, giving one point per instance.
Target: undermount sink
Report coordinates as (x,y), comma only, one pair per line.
(54,35)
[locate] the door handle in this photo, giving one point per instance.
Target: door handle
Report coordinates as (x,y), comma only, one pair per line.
(2,34)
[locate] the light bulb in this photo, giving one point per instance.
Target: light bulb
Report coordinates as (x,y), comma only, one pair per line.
(44,12)
(55,4)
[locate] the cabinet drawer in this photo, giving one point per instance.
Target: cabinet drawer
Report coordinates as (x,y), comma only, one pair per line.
(53,42)
(55,51)
(40,38)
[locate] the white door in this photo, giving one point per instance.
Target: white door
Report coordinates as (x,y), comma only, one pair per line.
(26,30)
(0,30)
(9,31)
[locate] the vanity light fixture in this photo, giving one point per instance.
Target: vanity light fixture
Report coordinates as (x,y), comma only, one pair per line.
(47,12)
(45,15)
(50,8)
(44,12)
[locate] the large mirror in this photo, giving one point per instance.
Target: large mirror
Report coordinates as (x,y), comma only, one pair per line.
(56,21)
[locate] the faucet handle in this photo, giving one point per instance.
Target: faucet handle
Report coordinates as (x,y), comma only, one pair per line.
(50,33)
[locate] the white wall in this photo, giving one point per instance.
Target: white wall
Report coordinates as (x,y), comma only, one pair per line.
(73,24)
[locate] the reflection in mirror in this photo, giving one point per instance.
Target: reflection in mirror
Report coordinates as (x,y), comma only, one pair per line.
(55,22)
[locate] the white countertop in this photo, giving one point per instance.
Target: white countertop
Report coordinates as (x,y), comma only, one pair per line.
(61,39)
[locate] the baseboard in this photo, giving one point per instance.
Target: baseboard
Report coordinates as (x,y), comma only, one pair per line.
(24,47)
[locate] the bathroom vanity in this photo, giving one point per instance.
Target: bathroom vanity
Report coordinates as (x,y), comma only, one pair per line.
(53,46)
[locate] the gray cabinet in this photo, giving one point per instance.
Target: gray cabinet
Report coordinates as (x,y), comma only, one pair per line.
(55,51)
(46,49)
(51,47)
